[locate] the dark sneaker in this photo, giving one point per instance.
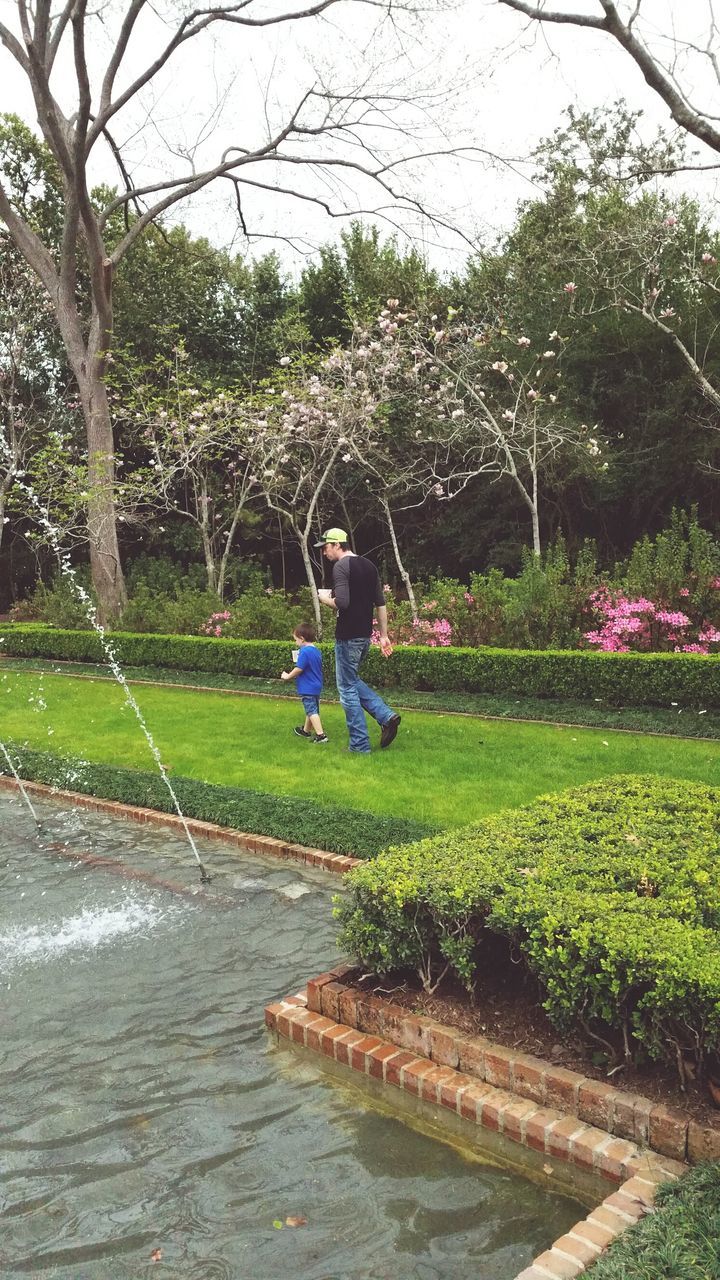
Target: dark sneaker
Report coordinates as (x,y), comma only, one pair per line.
(389,731)
(301,732)
(322,737)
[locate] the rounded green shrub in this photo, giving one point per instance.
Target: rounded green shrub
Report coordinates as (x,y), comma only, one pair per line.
(609,892)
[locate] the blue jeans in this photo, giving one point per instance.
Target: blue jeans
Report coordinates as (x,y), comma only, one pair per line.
(356,696)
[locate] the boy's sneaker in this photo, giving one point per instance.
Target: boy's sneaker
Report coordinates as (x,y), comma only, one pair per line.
(389,731)
(301,732)
(322,737)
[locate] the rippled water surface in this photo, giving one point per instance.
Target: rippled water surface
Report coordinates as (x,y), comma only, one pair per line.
(144,1106)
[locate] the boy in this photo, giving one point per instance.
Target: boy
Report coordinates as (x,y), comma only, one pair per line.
(308,672)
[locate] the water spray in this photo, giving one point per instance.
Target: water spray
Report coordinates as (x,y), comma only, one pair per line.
(21,785)
(67,570)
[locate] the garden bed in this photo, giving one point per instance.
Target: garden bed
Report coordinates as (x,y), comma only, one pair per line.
(510,1014)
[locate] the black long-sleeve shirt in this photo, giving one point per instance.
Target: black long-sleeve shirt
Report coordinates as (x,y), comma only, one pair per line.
(358,592)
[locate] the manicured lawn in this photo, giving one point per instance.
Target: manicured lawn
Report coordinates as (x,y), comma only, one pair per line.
(441,769)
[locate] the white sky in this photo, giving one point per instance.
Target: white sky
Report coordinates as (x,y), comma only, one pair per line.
(494,85)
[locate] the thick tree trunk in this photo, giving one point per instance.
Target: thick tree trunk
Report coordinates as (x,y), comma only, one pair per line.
(105,564)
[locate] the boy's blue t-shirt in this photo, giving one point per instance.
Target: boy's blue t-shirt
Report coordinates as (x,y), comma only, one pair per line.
(310,663)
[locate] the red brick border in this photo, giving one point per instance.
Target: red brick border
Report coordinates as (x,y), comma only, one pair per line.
(209,830)
(601,1106)
(401,1062)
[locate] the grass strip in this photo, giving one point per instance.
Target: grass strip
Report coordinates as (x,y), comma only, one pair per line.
(679,1241)
(442,770)
(675,722)
(297,821)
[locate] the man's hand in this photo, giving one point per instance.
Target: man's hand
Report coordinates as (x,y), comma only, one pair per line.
(386,648)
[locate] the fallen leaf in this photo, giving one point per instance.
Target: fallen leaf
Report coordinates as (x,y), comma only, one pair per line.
(277,1224)
(296,1221)
(548,1169)
(605,744)
(156,1255)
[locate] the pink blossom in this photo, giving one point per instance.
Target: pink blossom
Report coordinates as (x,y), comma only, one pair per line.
(670,221)
(673,619)
(570,287)
(684,591)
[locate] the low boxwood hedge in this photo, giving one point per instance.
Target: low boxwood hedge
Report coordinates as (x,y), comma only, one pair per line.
(610,894)
(679,1241)
(334,829)
(619,679)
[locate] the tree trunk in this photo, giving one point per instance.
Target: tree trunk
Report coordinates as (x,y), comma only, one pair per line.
(105,564)
(537,549)
(304,549)
(222,571)
(401,567)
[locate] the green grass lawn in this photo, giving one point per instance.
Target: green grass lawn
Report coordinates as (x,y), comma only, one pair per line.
(441,769)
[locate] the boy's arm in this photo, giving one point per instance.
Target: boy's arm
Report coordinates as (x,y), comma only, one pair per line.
(291,675)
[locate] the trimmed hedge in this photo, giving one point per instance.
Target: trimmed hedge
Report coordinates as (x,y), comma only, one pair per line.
(290,818)
(619,679)
(609,892)
(680,1240)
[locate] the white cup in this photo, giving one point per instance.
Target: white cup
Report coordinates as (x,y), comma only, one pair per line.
(295,654)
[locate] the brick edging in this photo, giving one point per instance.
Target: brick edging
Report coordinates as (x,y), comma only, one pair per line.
(275,848)
(627,1116)
(554,1133)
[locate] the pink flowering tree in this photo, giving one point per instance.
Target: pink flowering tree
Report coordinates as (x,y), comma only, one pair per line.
(389,458)
(299,433)
(198,464)
(483,402)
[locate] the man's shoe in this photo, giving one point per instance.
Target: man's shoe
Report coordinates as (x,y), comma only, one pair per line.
(301,732)
(321,737)
(389,731)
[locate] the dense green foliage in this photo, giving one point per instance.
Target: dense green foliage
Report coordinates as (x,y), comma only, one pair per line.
(609,892)
(594,222)
(679,1241)
(291,818)
(619,679)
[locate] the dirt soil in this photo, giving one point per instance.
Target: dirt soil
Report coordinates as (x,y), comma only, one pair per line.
(511,1015)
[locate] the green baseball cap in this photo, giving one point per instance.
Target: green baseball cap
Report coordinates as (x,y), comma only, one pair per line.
(332,535)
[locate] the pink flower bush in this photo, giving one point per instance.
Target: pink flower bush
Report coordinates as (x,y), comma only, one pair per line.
(641,625)
(214,624)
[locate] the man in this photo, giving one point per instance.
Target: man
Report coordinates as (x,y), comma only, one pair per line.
(357,595)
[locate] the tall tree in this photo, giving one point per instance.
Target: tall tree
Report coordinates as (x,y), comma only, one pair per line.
(326,130)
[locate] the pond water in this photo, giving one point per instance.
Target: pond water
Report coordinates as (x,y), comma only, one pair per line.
(145,1108)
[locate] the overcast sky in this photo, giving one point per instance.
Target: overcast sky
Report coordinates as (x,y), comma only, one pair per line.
(480,79)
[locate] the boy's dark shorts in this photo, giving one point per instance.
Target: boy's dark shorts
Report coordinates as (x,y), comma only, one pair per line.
(311,703)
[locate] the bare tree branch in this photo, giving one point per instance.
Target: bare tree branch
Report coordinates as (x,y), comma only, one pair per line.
(661,81)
